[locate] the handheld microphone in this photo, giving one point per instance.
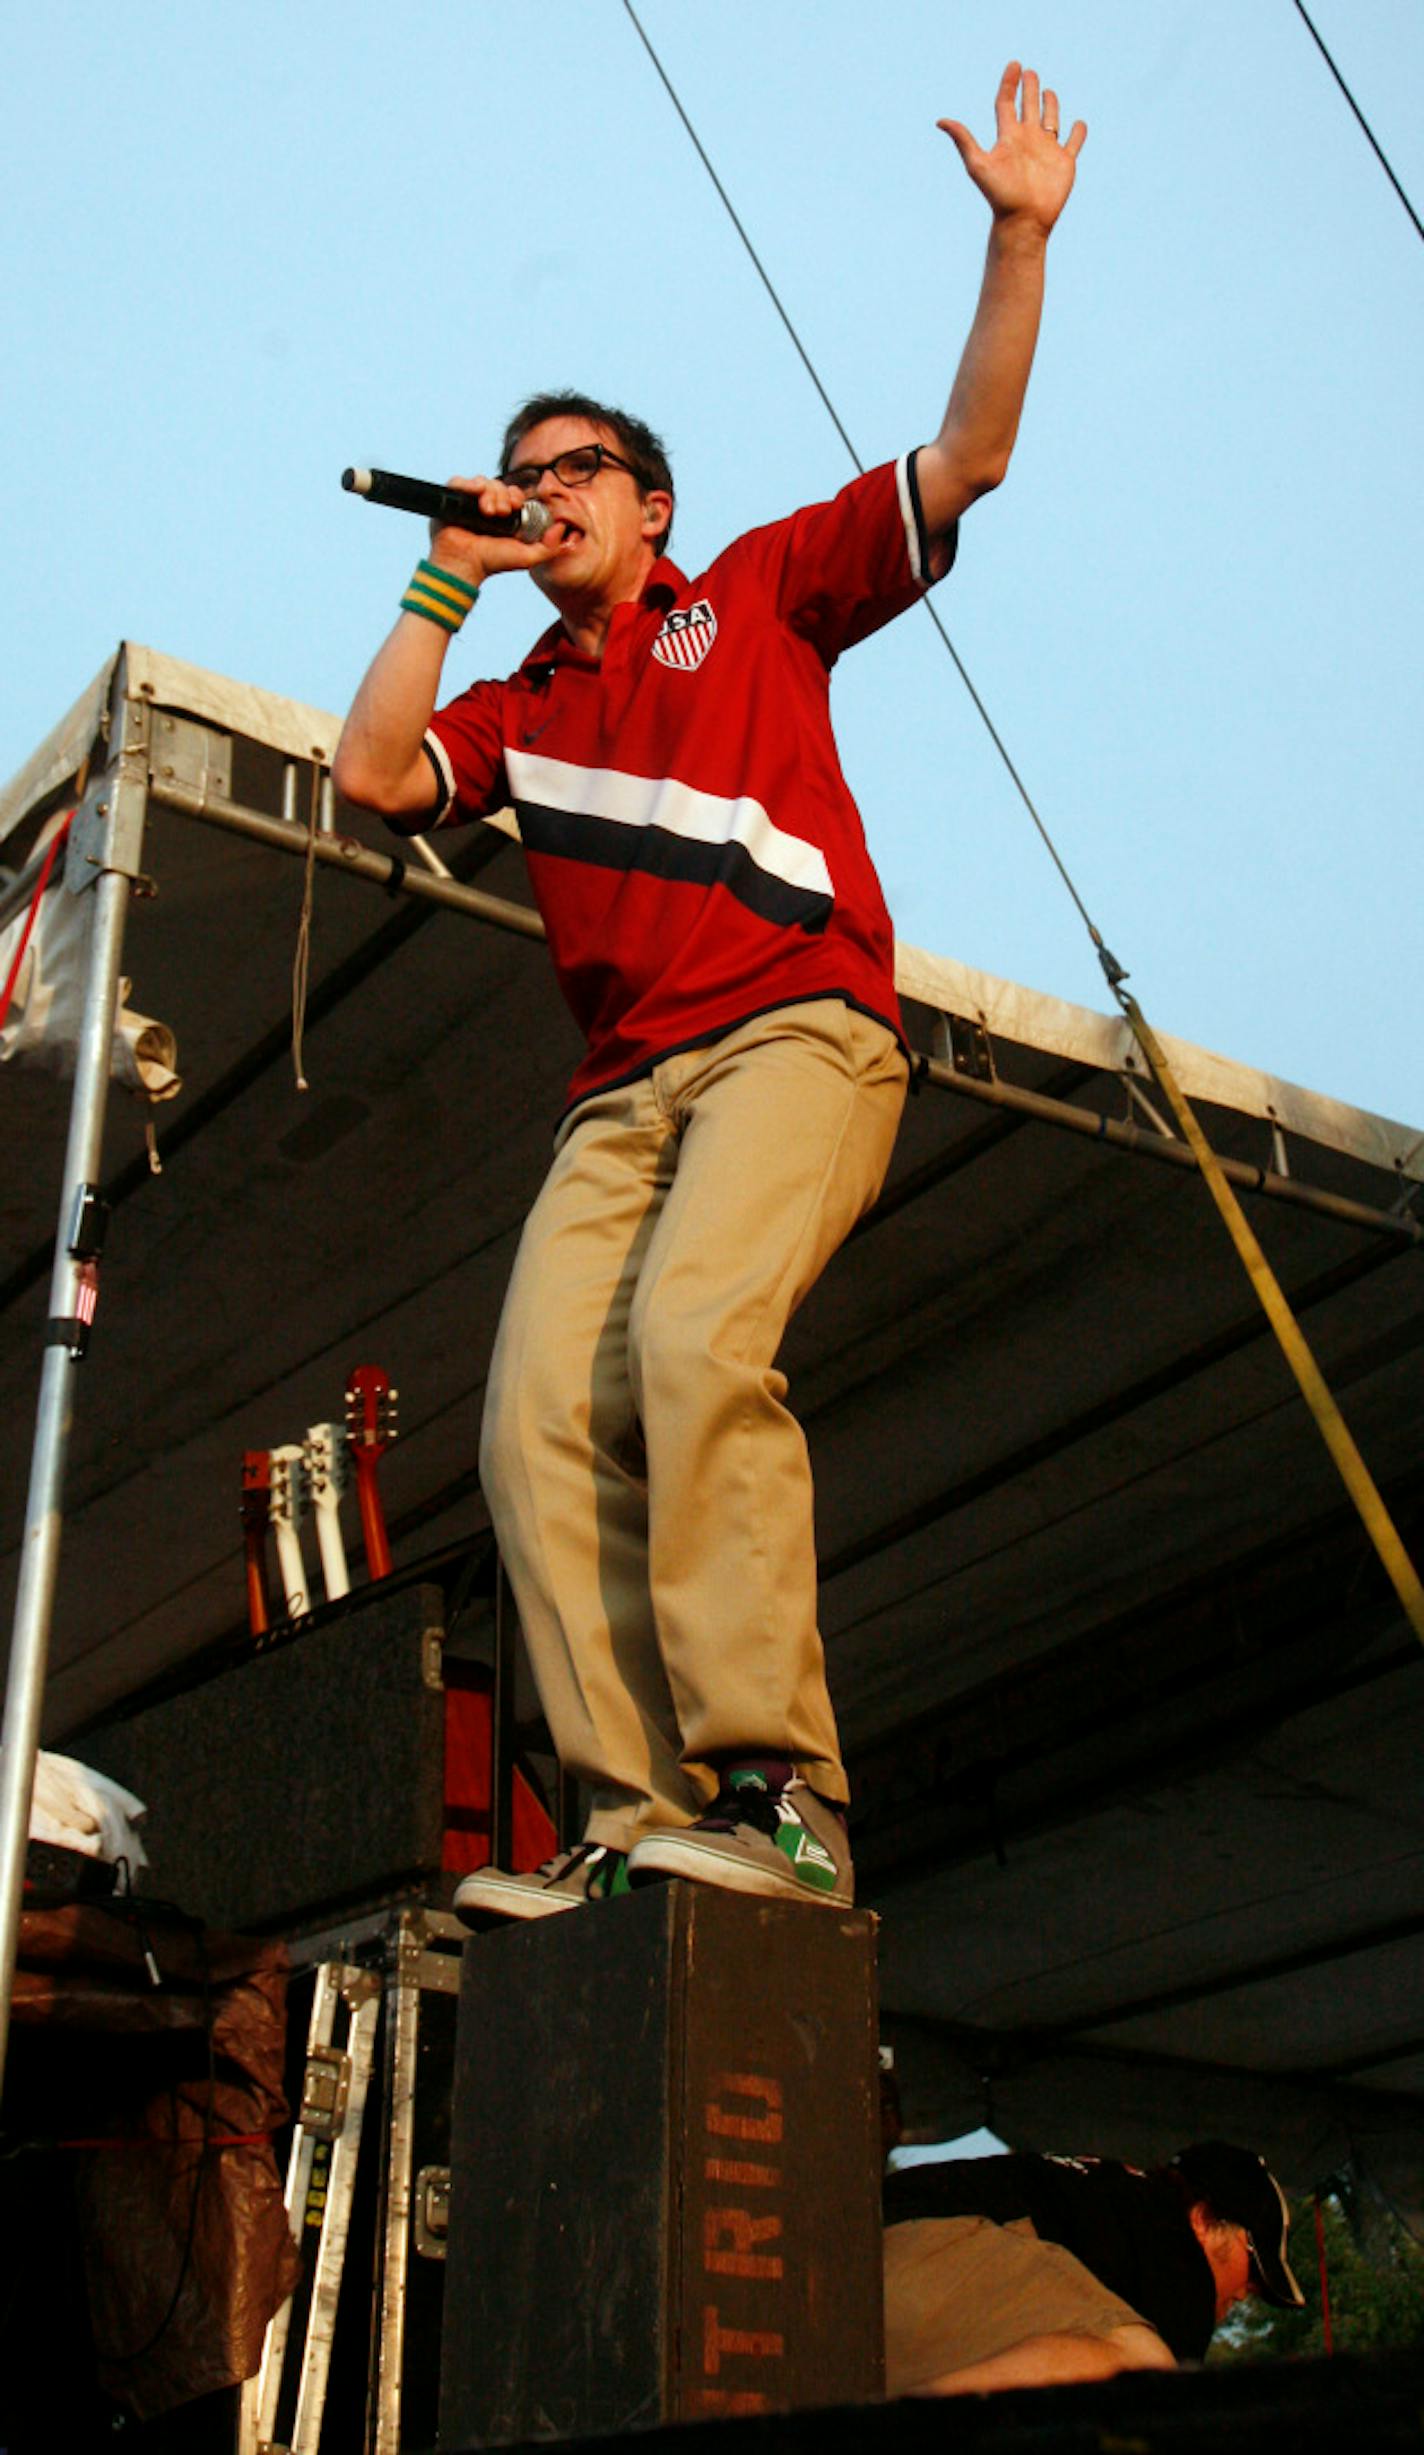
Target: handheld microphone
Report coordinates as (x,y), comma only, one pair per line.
(448,506)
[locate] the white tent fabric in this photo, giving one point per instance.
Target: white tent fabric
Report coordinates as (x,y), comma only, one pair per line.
(42,1025)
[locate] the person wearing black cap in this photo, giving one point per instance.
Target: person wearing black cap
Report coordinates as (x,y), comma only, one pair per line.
(1023,2270)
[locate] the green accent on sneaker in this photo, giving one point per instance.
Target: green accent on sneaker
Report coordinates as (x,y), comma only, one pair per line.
(811,1862)
(591,1871)
(603,1886)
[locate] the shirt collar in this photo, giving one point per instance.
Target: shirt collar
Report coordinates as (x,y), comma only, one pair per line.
(662,588)
(665,583)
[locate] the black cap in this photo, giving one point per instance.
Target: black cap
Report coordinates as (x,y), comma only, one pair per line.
(1240,2189)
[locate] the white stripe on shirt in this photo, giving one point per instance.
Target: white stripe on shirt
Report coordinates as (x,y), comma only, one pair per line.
(661,801)
(912,526)
(441,756)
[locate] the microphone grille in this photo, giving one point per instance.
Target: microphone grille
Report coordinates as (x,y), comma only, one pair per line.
(533,520)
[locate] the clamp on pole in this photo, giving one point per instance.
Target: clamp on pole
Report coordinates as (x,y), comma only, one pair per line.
(88,1227)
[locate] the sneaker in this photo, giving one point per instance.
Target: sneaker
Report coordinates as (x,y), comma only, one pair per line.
(591,1872)
(759,1836)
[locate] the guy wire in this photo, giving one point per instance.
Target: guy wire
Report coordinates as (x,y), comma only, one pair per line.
(1109,963)
(1359,114)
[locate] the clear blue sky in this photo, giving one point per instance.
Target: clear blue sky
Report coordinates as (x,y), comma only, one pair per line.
(245,247)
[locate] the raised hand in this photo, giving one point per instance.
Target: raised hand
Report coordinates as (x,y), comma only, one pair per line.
(1029,170)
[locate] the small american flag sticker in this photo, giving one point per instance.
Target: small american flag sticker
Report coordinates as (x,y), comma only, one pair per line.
(686,636)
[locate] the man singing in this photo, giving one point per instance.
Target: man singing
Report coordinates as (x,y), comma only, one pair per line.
(720,934)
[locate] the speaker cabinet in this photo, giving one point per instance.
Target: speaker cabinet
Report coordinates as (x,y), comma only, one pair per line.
(665,2168)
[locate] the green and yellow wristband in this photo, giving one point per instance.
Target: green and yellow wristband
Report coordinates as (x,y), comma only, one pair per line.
(438,597)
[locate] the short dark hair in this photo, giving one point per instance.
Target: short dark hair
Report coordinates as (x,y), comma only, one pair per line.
(645,451)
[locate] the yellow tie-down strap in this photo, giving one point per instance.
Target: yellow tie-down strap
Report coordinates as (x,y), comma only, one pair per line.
(1334,1431)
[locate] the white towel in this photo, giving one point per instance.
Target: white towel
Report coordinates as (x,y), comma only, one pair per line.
(75,1808)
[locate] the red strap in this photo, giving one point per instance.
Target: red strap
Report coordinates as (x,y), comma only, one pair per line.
(469,1749)
(14,972)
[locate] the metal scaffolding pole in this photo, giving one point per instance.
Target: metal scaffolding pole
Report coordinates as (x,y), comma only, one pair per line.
(105,841)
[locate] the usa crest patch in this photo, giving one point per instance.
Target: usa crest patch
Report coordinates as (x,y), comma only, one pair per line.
(686,636)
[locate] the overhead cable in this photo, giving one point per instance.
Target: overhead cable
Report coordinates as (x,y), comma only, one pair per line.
(1364,123)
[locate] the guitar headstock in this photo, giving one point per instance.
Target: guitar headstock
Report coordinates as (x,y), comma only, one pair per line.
(256,1490)
(370,1410)
(285,1494)
(324,1464)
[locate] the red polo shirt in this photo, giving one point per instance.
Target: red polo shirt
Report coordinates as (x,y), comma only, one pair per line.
(692,844)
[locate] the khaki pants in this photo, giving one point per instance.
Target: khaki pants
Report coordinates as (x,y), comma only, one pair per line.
(650,1491)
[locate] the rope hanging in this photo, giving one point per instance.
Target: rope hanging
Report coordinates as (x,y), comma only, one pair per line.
(1330,1423)
(301,960)
(1327,2325)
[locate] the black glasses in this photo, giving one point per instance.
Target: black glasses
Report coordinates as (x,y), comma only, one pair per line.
(576,468)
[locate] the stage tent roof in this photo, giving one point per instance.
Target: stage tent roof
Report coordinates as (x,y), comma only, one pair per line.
(1133,1718)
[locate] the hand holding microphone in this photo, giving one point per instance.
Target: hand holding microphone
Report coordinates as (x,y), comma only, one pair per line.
(455,507)
(511,529)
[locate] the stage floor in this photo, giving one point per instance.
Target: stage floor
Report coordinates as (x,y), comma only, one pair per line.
(1366,2404)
